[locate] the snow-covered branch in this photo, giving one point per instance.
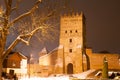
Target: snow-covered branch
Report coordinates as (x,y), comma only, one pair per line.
(20,38)
(6,52)
(25,14)
(25,41)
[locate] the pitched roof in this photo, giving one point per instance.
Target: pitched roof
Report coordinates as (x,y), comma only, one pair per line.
(20,54)
(23,56)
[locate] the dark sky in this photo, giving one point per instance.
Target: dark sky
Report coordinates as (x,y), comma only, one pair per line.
(102,24)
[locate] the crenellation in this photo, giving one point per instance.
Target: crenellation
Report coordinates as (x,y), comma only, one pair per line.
(72,15)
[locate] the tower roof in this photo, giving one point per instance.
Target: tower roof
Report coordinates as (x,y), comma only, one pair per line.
(43,51)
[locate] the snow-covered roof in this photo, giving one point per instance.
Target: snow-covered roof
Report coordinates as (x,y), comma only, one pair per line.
(51,52)
(60,46)
(44,50)
(22,55)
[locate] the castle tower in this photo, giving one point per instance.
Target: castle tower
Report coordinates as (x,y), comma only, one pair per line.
(72,38)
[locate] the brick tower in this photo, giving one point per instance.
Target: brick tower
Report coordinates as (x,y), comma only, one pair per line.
(72,38)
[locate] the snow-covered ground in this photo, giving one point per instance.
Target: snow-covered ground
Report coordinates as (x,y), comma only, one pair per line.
(48,78)
(84,74)
(62,77)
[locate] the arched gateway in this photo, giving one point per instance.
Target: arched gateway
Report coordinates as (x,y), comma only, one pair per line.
(70,68)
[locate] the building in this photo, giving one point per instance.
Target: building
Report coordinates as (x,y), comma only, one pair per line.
(15,63)
(72,56)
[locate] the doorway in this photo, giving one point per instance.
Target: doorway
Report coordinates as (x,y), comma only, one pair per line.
(70,68)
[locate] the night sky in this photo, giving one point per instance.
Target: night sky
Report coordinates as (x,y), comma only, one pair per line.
(102,25)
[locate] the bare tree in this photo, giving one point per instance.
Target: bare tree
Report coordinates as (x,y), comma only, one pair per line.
(37,25)
(5,26)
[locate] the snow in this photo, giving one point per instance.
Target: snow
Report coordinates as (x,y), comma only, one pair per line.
(79,46)
(83,75)
(60,47)
(48,78)
(62,77)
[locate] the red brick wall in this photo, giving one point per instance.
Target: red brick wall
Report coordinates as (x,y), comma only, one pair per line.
(96,60)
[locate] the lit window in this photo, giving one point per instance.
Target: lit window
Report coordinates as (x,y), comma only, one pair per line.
(70,50)
(13,64)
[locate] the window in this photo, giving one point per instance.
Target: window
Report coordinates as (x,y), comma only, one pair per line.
(13,64)
(70,40)
(70,31)
(70,50)
(66,31)
(76,31)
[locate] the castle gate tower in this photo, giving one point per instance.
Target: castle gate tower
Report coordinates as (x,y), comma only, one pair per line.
(72,38)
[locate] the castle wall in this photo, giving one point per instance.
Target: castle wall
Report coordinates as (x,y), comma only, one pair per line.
(47,63)
(96,60)
(52,63)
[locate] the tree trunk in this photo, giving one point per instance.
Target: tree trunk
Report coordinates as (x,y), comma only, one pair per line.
(0,68)
(1,51)
(5,30)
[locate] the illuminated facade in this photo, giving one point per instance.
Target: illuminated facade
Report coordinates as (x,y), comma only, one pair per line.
(72,56)
(72,39)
